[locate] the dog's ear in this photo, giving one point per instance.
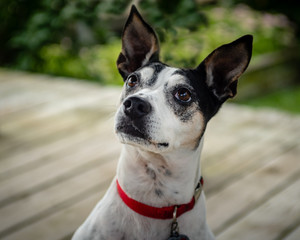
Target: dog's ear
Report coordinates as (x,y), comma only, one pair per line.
(225,65)
(139,44)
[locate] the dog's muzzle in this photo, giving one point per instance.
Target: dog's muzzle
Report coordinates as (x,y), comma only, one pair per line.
(133,120)
(136,108)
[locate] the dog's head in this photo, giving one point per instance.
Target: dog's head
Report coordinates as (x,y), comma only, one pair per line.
(162,107)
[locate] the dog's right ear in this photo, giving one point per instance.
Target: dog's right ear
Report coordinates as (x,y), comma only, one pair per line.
(139,44)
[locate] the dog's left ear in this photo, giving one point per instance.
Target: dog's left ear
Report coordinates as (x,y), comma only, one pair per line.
(139,44)
(225,65)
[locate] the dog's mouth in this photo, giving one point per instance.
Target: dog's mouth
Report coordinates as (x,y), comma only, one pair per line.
(138,136)
(131,130)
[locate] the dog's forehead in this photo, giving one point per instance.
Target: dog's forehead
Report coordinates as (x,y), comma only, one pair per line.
(158,74)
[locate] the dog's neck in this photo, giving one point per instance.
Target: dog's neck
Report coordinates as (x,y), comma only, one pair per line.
(159,179)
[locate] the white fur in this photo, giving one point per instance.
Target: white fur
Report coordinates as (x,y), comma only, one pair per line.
(175,170)
(209,76)
(149,54)
(164,126)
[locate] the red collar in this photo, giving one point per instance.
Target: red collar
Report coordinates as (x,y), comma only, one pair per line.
(163,212)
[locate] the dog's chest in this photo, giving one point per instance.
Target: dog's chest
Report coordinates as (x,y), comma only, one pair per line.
(145,228)
(113,220)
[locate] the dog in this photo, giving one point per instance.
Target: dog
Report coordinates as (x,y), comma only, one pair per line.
(161,120)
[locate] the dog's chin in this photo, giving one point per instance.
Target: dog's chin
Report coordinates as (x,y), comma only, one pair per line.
(132,136)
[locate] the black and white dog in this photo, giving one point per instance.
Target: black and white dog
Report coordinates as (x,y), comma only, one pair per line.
(161,120)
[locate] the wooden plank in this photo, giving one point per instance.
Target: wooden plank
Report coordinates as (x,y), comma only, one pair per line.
(229,206)
(20,80)
(59,224)
(12,137)
(55,168)
(226,133)
(63,104)
(32,208)
(234,135)
(24,91)
(250,124)
(19,159)
(295,235)
(37,133)
(16,136)
(249,157)
(270,219)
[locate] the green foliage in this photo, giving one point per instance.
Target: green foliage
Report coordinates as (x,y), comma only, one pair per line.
(81,38)
(179,14)
(272,32)
(14,17)
(59,61)
(71,23)
(284,99)
(288,7)
(96,63)
(181,47)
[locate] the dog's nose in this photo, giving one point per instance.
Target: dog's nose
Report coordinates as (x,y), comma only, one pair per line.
(135,107)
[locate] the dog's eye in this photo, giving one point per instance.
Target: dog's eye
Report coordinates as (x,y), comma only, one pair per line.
(132,81)
(183,95)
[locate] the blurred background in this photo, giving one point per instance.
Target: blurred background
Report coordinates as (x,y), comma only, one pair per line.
(81,39)
(58,152)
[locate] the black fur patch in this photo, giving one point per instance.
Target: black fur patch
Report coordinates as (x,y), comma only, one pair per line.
(157,67)
(158,192)
(151,173)
(184,111)
(207,102)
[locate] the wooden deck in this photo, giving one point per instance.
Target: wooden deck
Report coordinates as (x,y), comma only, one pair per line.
(58,155)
